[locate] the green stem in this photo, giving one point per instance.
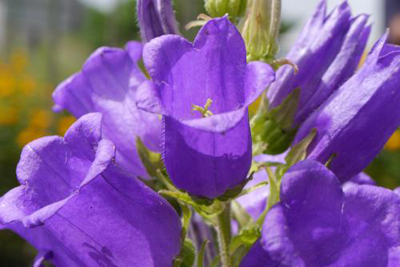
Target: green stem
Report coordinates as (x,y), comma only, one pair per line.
(224,234)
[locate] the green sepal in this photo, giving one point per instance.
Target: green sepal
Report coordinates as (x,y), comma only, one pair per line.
(274,127)
(232,193)
(207,211)
(150,160)
(186,256)
(229,194)
(273,198)
(186,216)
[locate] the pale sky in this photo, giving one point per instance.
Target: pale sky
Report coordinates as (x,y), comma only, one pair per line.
(102,5)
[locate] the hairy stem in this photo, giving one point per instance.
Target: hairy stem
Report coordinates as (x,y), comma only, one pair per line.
(224,235)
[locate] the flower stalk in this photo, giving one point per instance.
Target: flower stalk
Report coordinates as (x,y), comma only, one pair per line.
(224,234)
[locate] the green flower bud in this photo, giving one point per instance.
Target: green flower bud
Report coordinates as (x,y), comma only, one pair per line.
(273,127)
(260,29)
(218,8)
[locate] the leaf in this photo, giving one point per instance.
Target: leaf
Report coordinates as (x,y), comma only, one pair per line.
(238,255)
(284,113)
(186,216)
(273,198)
(150,160)
(299,150)
(200,256)
(215,261)
(186,256)
(246,237)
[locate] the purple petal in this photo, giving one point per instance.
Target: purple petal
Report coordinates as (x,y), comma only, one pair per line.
(108,84)
(360,179)
(206,163)
(355,131)
(74,203)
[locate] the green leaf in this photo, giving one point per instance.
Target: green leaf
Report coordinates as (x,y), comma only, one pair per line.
(284,113)
(238,255)
(200,256)
(215,261)
(246,237)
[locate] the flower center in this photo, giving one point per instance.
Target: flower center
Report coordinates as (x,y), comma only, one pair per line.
(205,112)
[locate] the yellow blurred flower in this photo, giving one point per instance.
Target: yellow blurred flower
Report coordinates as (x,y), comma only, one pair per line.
(19,60)
(8,84)
(29,134)
(64,123)
(28,85)
(40,119)
(393,143)
(8,115)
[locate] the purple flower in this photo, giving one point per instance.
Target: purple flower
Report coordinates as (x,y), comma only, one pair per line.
(316,223)
(78,209)
(108,84)
(204,155)
(356,121)
(327,53)
(156,18)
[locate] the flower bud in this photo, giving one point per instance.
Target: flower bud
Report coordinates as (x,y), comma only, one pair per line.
(218,8)
(156,18)
(260,28)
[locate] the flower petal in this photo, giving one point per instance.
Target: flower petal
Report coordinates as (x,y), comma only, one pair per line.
(108,84)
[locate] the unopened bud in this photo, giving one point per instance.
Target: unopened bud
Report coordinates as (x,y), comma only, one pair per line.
(156,18)
(260,29)
(218,8)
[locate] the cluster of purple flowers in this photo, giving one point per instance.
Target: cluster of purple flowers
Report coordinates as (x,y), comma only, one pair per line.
(90,198)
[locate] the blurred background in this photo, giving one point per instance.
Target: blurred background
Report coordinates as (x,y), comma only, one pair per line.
(42,42)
